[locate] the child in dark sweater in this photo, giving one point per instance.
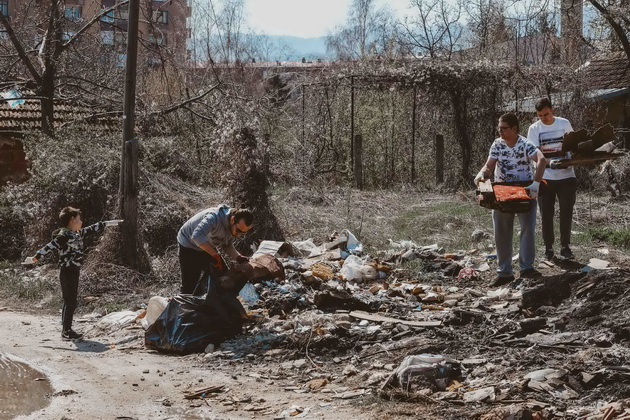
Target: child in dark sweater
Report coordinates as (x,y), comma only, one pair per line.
(68,242)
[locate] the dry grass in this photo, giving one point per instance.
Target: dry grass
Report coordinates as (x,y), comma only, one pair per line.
(373,216)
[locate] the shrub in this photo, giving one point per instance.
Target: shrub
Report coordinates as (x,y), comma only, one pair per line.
(72,170)
(12,238)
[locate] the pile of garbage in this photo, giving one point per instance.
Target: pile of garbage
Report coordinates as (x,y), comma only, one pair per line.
(420,324)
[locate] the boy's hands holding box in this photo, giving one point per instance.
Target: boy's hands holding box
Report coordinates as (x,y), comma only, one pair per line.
(115,222)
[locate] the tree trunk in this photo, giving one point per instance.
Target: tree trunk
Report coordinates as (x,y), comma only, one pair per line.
(611,18)
(351,121)
(47,92)
(461,126)
(50,53)
(247,188)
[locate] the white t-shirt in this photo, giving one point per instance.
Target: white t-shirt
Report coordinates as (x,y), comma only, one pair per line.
(549,139)
(513,163)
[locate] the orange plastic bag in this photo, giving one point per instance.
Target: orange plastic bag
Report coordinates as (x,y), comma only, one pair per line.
(510,193)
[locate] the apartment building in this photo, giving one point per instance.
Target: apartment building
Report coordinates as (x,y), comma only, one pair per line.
(163,23)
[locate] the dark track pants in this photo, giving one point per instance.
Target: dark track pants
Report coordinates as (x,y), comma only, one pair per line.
(192,264)
(69,278)
(565,191)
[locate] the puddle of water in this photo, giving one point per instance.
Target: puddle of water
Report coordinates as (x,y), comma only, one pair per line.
(23,389)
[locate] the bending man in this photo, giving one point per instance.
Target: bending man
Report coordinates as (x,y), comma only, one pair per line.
(200,236)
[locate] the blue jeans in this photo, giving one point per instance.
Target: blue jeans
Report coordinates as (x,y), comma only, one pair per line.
(503,233)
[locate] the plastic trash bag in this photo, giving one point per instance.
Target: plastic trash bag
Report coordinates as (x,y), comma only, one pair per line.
(305,247)
(189,323)
(419,371)
(353,245)
(116,320)
(154,309)
(351,269)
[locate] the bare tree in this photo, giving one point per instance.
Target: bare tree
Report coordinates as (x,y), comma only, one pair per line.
(367,31)
(264,48)
(617,15)
(56,40)
(220,31)
(535,42)
(434,30)
(488,25)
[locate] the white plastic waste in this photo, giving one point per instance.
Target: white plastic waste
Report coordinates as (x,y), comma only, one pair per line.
(116,320)
(115,222)
(351,269)
(404,244)
(154,310)
(308,248)
(353,245)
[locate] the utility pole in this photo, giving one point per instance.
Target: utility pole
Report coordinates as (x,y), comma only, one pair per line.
(131,252)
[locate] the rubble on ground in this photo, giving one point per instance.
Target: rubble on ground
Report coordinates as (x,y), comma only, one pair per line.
(421,324)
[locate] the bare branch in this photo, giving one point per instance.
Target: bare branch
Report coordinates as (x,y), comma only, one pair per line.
(89,117)
(186,102)
(619,30)
(203,117)
(83,79)
(92,21)
(19,48)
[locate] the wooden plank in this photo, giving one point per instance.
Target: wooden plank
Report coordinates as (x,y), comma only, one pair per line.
(587,160)
(380,318)
(199,393)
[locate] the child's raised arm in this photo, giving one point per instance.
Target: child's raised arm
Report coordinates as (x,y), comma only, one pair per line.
(97,227)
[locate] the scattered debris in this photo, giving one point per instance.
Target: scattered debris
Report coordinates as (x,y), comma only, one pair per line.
(202,392)
(551,346)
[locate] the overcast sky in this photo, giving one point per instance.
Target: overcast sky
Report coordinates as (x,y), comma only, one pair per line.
(304,18)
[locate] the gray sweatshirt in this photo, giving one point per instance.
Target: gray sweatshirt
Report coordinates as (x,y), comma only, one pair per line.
(208,226)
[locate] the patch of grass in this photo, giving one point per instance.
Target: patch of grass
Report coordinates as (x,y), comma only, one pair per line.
(450,224)
(15,286)
(618,237)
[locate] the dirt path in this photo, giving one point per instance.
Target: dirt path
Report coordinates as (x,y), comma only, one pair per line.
(112,378)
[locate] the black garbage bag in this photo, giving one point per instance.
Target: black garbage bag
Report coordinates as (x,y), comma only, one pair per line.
(189,323)
(213,313)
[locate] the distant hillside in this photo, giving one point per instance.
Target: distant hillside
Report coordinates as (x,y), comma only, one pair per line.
(294,48)
(272,47)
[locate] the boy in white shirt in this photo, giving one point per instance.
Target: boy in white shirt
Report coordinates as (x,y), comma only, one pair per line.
(547,134)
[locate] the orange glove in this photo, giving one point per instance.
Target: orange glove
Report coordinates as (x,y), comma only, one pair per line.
(218,263)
